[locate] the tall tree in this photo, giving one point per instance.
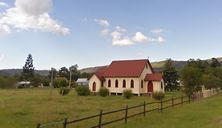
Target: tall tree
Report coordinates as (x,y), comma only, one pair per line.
(191,78)
(28,69)
(170,76)
(64,72)
(74,71)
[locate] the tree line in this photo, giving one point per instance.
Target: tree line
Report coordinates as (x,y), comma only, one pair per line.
(28,74)
(192,77)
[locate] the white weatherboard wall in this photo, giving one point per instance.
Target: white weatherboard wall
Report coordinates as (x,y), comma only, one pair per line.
(120,88)
(146,70)
(94,78)
(156,86)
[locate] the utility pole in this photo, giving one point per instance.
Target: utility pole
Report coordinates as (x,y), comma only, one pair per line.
(51,83)
(51,77)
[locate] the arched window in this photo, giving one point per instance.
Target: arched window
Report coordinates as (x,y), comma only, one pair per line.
(161,85)
(124,83)
(109,83)
(132,84)
(116,83)
(94,86)
(141,83)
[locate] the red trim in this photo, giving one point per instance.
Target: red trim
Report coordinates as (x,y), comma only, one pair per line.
(153,77)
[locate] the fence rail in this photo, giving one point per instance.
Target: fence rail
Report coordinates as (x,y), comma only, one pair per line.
(127,112)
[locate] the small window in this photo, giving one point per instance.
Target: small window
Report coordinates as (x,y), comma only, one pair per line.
(116,83)
(109,83)
(124,83)
(141,83)
(161,85)
(102,84)
(132,84)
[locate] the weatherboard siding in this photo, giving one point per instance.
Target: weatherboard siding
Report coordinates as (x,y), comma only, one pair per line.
(94,78)
(120,88)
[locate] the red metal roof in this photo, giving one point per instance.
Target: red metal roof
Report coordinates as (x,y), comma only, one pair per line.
(126,68)
(100,73)
(153,77)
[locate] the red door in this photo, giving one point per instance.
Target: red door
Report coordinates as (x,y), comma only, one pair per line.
(150,86)
(94,86)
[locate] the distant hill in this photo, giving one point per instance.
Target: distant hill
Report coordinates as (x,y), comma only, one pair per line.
(91,69)
(11,72)
(157,66)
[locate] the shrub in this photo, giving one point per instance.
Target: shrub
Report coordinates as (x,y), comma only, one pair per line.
(127,93)
(103,91)
(60,82)
(82,90)
(45,82)
(64,91)
(158,95)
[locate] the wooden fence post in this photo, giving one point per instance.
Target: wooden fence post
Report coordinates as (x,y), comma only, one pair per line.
(100,118)
(126,114)
(144,108)
(38,126)
(182,100)
(189,99)
(65,122)
(161,105)
(172,102)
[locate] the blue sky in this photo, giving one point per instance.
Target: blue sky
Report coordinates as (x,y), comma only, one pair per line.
(94,32)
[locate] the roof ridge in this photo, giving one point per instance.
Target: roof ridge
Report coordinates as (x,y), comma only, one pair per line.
(130,60)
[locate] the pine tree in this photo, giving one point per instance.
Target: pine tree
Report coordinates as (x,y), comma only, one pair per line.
(28,69)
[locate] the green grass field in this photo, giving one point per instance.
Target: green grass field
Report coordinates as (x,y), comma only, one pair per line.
(24,108)
(206,113)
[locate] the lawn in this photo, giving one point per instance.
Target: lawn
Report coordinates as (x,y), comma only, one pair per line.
(206,113)
(24,108)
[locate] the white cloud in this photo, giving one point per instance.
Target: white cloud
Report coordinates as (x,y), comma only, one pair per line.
(139,37)
(32,15)
(119,38)
(2,4)
(160,39)
(102,22)
(4,30)
(157,31)
(34,7)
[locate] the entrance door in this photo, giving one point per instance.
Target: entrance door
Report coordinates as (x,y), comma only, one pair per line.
(94,86)
(150,86)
